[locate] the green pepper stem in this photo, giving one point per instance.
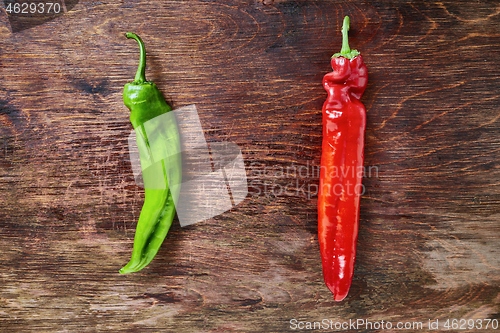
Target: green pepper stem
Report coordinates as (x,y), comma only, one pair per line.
(140,76)
(345,36)
(346,51)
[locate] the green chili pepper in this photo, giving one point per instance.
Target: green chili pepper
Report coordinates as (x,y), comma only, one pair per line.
(162,177)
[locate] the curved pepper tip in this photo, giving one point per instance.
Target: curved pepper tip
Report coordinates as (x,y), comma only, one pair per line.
(125,270)
(339,297)
(131,267)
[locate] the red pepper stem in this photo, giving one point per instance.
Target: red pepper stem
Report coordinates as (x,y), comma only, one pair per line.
(140,76)
(345,36)
(346,51)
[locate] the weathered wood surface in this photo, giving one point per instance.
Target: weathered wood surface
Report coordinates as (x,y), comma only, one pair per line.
(430,220)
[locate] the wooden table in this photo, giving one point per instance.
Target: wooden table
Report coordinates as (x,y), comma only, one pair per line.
(428,246)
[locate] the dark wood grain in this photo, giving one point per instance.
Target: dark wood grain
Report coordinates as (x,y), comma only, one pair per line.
(430,216)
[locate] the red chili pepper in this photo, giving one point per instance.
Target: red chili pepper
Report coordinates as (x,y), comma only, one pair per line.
(344,121)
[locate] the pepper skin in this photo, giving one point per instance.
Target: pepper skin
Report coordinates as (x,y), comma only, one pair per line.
(145,103)
(344,122)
